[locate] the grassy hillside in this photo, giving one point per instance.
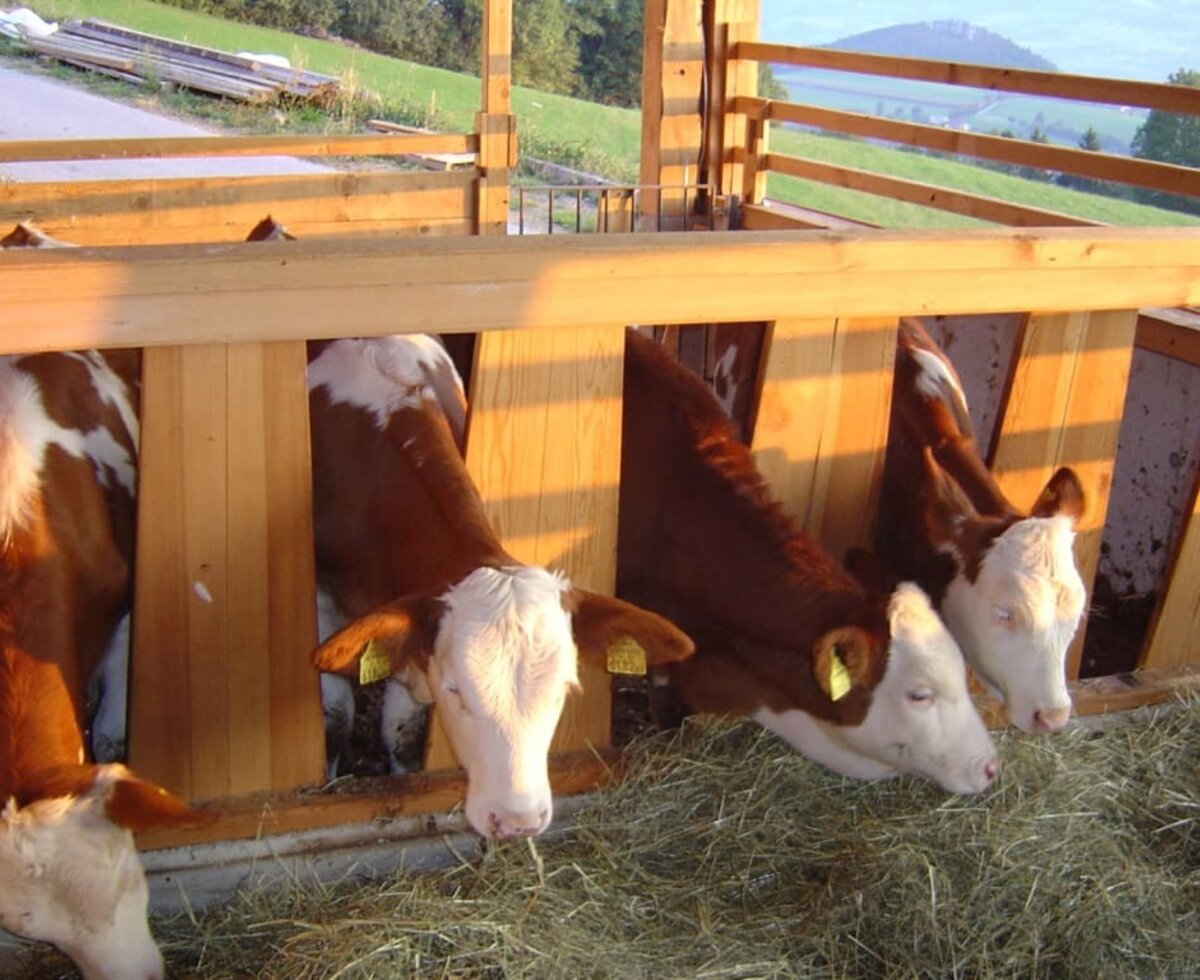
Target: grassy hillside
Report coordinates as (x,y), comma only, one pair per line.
(597,138)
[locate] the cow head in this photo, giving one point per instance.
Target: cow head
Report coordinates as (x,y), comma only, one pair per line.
(497,653)
(71,873)
(1017,597)
(918,718)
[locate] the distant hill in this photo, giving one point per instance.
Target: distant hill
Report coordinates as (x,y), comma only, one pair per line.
(945,40)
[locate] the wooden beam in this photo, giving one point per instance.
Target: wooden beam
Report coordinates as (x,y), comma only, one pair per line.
(926,195)
(363,800)
(1085,88)
(1103,166)
(1171,333)
(495,122)
(1064,408)
(781,215)
(822,422)
(1174,633)
(363,144)
(66,299)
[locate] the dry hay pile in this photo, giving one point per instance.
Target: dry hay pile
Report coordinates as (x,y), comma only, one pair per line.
(724,854)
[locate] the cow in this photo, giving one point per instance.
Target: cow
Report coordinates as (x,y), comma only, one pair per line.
(405,551)
(68,446)
(869,684)
(1005,580)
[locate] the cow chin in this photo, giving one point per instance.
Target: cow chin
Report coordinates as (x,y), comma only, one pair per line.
(499,810)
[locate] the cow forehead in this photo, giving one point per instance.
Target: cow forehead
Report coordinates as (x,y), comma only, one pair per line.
(921,645)
(1031,566)
(380,375)
(506,631)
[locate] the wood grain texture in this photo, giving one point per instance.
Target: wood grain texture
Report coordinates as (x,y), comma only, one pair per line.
(1064,409)
(223,699)
(822,422)
(1174,634)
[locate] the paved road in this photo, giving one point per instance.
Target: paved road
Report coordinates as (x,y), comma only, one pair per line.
(36,107)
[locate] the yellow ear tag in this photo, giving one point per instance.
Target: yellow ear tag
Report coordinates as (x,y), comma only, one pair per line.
(839,678)
(374,665)
(625,656)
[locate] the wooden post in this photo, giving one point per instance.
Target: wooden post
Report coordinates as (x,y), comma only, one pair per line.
(497,128)
(544,448)
(672,82)
(1174,634)
(733,21)
(1064,408)
(223,698)
(822,422)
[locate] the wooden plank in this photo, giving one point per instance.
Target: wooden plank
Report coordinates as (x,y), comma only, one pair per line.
(916,192)
(779,215)
(1174,633)
(223,699)
(1103,166)
(1064,409)
(1086,88)
(71,298)
(363,800)
(1172,333)
(225,209)
(544,448)
(822,422)
(494,122)
(362,144)
(740,20)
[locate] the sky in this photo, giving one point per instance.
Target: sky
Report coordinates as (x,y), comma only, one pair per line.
(1141,39)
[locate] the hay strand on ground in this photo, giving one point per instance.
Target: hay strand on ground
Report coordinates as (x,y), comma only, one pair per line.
(723,854)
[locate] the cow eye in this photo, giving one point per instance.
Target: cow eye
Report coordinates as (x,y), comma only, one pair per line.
(456,695)
(1004,615)
(922,696)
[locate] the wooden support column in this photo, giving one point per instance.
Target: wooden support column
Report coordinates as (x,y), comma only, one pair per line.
(822,422)
(544,448)
(733,21)
(1174,635)
(672,85)
(1064,408)
(496,125)
(223,698)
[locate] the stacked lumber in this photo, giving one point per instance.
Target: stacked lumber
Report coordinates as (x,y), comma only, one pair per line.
(134,56)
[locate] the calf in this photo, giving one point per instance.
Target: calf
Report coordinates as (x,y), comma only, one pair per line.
(866,683)
(490,641)
(70,873)
(1005,580)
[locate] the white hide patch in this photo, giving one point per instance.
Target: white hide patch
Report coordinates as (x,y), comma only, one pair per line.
(921,719)
(1016,621)
(935,380)
(26,431)
(385,374)
(72,878)
(504,662)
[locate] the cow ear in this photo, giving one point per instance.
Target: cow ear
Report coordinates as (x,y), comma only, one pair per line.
(842,661)
(1062,497)
(947,510)
(137,805)
(600,622)
(383,642)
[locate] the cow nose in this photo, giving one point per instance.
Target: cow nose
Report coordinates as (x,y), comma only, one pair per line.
(506,826)
(990,770)
(1050,720)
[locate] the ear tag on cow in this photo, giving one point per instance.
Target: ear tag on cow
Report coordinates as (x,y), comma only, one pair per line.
(625,656)
(374,664)
(839,678)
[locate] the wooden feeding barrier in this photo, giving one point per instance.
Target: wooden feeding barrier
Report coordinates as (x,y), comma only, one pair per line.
(224,700)
(134,56)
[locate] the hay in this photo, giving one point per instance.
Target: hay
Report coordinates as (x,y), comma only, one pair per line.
(723,854)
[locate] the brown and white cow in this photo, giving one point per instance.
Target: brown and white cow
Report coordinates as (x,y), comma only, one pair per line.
(69,871)
(1004,579)
(866,683)
(489,640)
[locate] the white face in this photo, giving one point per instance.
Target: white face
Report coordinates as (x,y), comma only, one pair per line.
(1015,622)
(921,719)
(72,878)
(503,664)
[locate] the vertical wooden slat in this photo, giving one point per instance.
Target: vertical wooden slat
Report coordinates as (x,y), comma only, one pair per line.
(497,132)
(544,448)
(672,82)
(821,426)
(1064,409)
(1174,634)
(223,699)
(737,20)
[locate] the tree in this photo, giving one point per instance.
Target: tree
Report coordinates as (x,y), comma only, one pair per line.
(1170,138)
(1090,141)
(610,51)
(545,54)
(770,87)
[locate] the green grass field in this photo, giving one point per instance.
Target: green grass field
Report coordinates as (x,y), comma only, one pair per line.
(599,139)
